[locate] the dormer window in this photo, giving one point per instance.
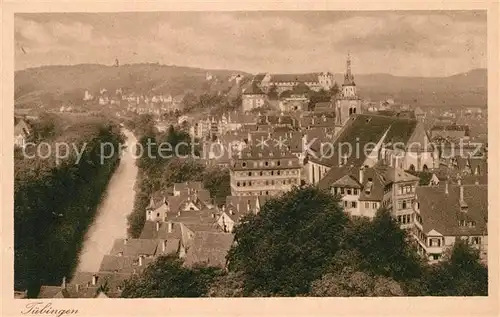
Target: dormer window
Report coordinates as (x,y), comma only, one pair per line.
(244,164)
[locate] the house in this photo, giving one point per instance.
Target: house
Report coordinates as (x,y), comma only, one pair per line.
(363,191)
(294,103)
(444,214)
(235,208)
(87,285)
(284,82)
(134,247)
(264,171)
(209,248)
(252,97)
(367,139)
(22,131)
(450,131)
(124,264)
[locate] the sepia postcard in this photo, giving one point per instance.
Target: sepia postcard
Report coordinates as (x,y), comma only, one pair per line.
(220,159)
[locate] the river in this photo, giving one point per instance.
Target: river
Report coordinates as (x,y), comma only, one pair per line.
(110,222)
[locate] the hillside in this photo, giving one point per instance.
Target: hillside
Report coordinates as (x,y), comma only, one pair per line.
(469,89)
(52,84)
(55,84)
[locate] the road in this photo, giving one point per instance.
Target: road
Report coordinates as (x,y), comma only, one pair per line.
(110,222)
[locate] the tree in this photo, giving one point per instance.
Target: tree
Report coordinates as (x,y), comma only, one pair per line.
(383,247)
(273,93)
(334,90)
(289,243)
(349,282)
(462,274)
(166,277)
(217,181)
(227,285)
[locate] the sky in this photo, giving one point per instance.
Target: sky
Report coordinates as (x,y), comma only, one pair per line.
(402,43)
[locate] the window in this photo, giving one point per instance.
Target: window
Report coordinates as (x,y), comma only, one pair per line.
(238,184)
(367,205)
(345,204)
(278,163)
(471,224)
(354,204)
(278,173)
(348,191)
(355,191)
(249,173)
(342,190)
(272,182)
(158,215)
(266,163)
(260,173)
(435,242)
(374,205)
(404,204)
(400,205)
(244,164)
(267,193)
(435,256)
(272,172)
(399,219)
(244,184)
(476,240)
(267,183)
(250,183)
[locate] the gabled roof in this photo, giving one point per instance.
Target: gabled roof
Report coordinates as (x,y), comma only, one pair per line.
(441,211)
(210,248)
(123,264)
(346,181)
(48,291)
(134,247)
(252,89)
(149,231)
(363,129)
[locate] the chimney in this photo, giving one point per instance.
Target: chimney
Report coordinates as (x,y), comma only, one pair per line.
(157,226)
(94,280)
(170,225)
(125,241)
(63,285)
(361,174)
(140,260)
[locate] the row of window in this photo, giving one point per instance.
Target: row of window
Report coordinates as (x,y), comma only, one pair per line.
(405,219)
(405,204)
(463,223)
(373,205)
(406,189)
(350,204)
(266,163)
(267,183)
(268,173)
(345,191)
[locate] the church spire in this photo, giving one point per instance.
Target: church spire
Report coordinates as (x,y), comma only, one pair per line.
(348,77)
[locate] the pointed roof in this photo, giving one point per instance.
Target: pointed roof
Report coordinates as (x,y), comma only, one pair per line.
(348,77)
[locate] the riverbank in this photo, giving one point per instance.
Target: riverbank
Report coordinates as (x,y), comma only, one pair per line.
(110,222)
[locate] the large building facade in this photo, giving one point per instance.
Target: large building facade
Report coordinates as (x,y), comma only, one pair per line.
(264,172)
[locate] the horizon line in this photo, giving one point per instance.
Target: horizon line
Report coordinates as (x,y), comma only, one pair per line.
(242,71)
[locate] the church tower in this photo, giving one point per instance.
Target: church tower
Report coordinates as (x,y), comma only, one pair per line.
(348,102)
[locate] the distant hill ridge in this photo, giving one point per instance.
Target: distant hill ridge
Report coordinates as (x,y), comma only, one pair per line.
(33,84)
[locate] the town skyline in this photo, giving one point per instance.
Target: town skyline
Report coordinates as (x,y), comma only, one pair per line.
(413,43)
